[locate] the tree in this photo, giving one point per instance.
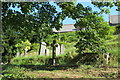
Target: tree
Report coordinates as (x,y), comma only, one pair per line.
(27,24)
(108,5)
(8,43)
(94,34)
(96,30)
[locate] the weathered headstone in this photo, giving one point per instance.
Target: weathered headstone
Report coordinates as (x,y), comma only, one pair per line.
(43,48)
(107,57)
(58,49)
(47,52)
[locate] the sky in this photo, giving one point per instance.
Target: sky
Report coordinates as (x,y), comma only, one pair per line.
(85,3)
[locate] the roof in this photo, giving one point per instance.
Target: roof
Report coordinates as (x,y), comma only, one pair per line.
(66,28)
(114,19)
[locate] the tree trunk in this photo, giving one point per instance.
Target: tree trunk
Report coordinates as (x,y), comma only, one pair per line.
(39,48)
(60,48)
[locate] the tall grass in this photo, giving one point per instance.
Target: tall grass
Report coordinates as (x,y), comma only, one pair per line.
(114,49)
(30,60)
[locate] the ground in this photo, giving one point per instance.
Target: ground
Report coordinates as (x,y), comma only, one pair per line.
(76,73)
(83,71)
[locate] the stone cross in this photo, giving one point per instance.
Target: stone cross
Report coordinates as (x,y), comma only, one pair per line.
(54,45)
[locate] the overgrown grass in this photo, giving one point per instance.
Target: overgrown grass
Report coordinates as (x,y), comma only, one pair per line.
(114,49)
(11,72)
(30,60)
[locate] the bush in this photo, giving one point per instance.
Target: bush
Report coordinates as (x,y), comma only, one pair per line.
(88,59)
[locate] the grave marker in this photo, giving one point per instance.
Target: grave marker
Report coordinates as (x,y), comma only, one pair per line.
(53,60)
(43,48)
(47,52)
(58,49)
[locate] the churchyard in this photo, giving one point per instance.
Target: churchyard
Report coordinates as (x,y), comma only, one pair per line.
(37,44)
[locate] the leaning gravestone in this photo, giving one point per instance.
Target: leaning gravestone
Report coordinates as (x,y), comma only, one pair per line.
(43,48)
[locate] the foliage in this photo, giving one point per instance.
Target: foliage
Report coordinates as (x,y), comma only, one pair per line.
(9,40)
(117,29)
(93,35)
(26,24)
(68,37)
(23,45)
(35,46)
(101,5)
(96,29)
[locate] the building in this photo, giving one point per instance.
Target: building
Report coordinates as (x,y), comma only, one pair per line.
(66,28)
(114,20)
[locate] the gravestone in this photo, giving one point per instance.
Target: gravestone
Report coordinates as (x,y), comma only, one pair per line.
(44,51)
(62,48)
(107,57)
(58,49)
(43,48)
(47,52)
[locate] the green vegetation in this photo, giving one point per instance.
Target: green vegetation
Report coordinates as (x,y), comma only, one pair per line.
(31,60)
(24,67)
(25,30)
(113,46)
(70,56)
